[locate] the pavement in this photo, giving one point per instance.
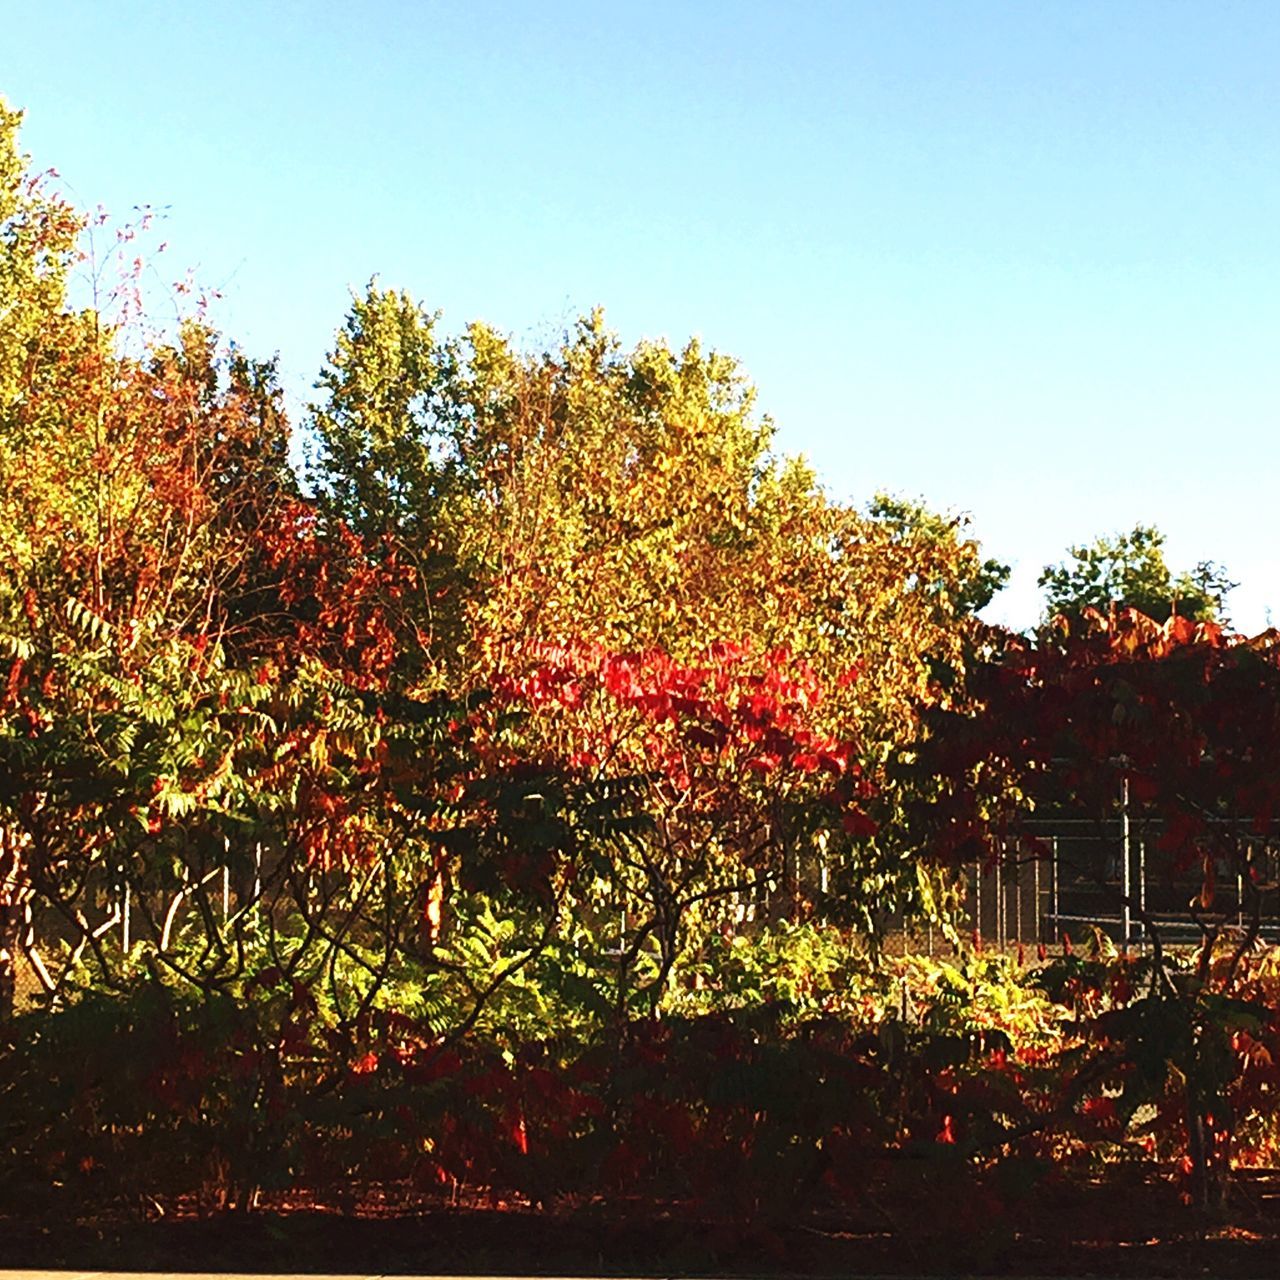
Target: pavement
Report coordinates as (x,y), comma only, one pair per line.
(76,1274)
(227,1275)
(190,1275)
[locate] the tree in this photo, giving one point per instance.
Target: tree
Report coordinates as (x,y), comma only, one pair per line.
(38,244)
(38,233)
(587,488)
(623,498)
(737,793)
(1128,571)
(630,501)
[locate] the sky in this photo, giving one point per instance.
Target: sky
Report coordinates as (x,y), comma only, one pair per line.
(1017,259)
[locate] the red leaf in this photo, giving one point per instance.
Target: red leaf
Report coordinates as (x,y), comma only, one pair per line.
(856,823)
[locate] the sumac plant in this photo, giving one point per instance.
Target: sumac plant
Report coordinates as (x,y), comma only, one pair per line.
(1174,729)
(746,805)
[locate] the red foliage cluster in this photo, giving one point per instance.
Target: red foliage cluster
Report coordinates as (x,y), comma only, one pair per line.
(733,722)
(1187,715)
(340,601)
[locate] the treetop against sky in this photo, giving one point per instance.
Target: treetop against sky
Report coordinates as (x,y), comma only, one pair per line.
(1015,260)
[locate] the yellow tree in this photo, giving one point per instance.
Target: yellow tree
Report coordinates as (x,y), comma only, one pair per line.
(38,234)
(137,477)
(630,499)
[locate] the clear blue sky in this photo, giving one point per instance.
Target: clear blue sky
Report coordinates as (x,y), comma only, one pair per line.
(1020,259)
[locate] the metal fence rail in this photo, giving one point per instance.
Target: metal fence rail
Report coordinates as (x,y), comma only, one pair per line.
(1068,876)
(1084,874)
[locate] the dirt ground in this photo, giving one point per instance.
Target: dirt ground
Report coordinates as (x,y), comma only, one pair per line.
(1132,1224)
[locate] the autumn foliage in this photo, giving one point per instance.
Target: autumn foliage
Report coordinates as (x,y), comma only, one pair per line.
(518,799)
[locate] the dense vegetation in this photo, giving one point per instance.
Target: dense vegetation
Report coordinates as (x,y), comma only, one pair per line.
(517,795)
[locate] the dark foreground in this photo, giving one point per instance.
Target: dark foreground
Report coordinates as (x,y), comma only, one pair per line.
(1131,1224)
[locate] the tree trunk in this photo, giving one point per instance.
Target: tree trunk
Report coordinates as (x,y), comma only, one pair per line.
(10,923)
(1199,1157)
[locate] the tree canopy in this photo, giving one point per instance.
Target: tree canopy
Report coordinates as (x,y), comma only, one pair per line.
(1128,571)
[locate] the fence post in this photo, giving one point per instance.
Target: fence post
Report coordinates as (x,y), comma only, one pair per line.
(1017,902)
(1125,873)
(1142,886)
(1035,893)
(1053,887)
(977,894)
(999,886)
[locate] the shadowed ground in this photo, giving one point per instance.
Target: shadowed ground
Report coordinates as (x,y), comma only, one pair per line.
(1133,1225)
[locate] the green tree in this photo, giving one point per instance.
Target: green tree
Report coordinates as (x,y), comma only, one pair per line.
(627,497)
(630,499)
(1129,571)
(961,593)
(38,235)
(37,245)
(617,493)
(382,443)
